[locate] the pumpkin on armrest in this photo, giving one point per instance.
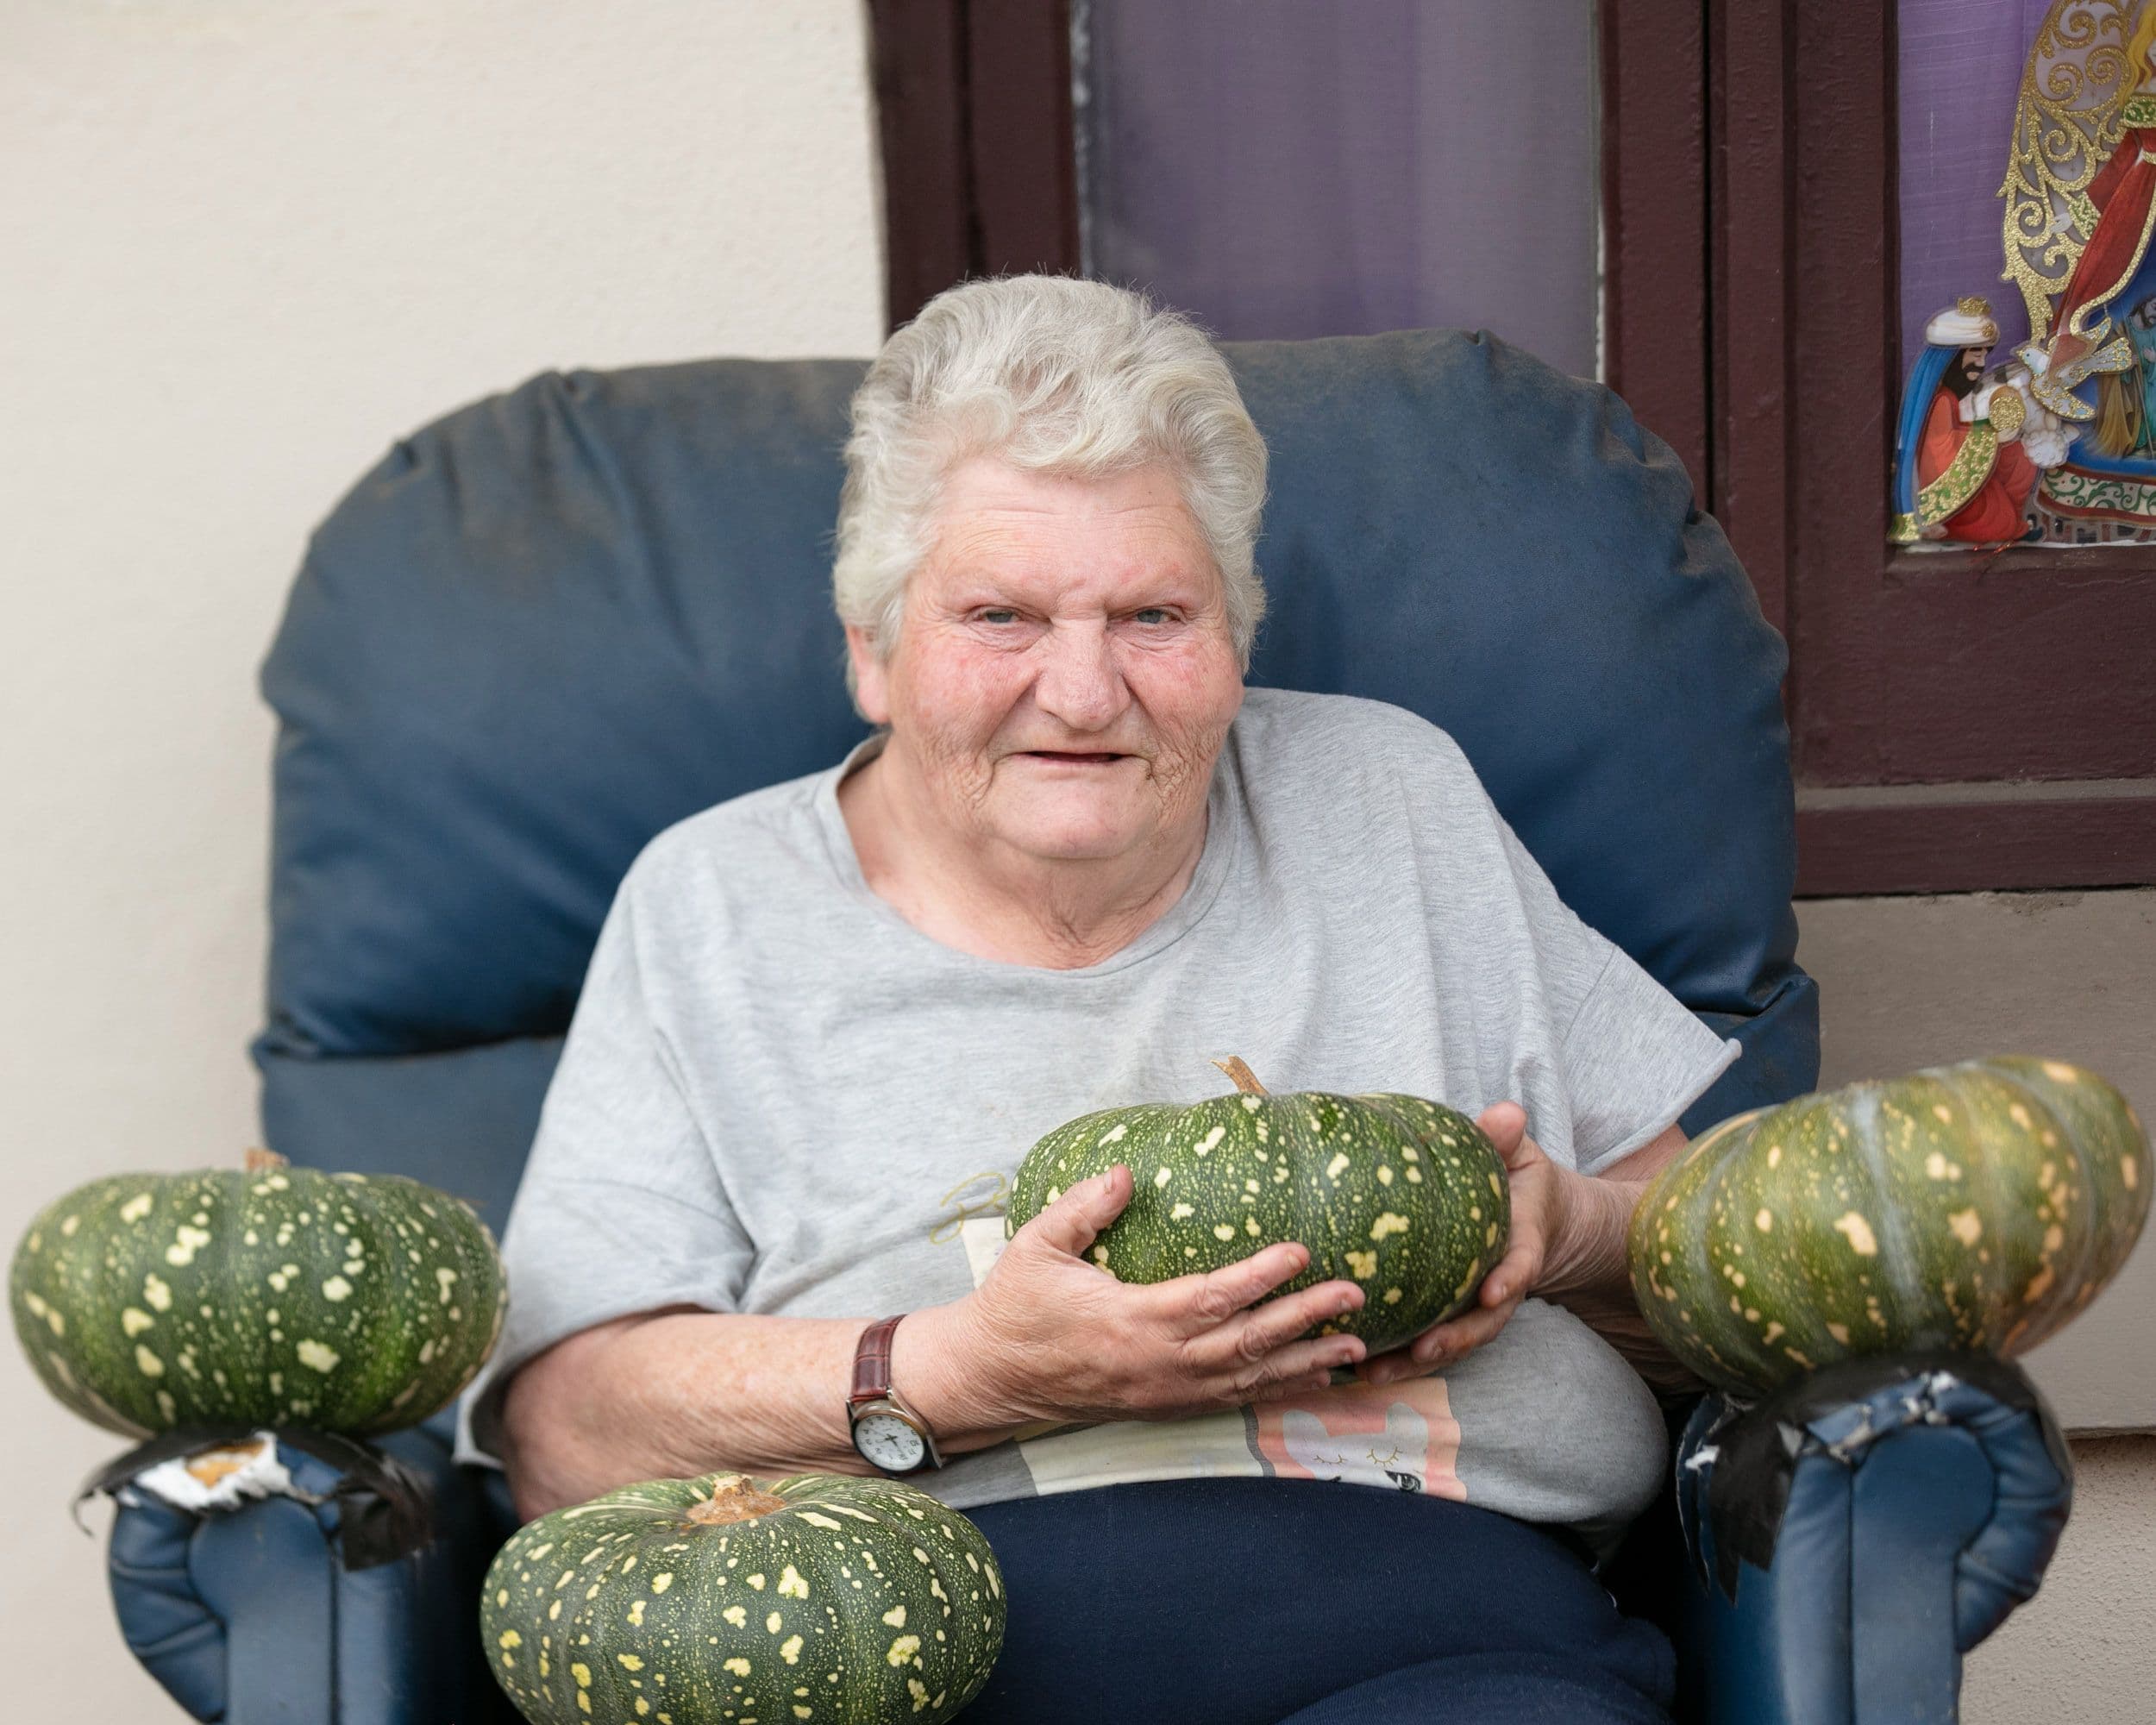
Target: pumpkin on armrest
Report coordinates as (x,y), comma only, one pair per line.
(269,1297)
(1976,1206)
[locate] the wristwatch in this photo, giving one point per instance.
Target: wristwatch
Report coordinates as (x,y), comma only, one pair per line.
(890,1435)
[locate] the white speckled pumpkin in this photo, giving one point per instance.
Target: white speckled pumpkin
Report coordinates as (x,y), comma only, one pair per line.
(720,1600)
(1976,1206)
(1403,1196)
(271,1297)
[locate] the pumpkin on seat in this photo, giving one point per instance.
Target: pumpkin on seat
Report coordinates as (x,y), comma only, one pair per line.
(818,1597)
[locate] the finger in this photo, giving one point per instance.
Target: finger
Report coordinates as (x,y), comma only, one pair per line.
(1305,1383)
(1309,1385)
(1517,1270)
(1298,1363)
(1198,1302)
(1075,1219)
(1505,1124)
(1460,1336)
(1463,1335)
(1441,1344)
(1268,1328)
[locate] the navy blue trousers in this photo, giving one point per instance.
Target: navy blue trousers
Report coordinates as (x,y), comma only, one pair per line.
(1273,1602)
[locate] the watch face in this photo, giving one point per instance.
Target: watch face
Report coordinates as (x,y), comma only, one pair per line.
(889,1443)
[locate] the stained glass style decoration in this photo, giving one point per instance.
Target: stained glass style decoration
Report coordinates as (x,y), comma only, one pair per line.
(2054,441)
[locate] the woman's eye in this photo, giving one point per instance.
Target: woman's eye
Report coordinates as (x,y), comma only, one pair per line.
(1002,615)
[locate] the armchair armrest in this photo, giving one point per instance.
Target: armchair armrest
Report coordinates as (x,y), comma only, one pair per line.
(268,1614)
(1849,1538)
(1853,1536)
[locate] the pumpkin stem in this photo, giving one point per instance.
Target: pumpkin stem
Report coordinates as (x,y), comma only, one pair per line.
(735,1497)
(1245,1079)
(260,1161)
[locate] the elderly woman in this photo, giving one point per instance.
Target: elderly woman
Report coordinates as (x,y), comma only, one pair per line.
(1076,862)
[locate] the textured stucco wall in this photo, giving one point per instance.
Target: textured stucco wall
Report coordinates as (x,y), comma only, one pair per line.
(244,244)
(2084,1649)
(1915,982)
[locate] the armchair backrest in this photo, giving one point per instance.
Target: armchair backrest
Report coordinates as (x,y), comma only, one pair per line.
(553,623)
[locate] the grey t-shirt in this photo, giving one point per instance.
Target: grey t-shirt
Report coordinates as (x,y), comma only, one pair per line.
(778,1096)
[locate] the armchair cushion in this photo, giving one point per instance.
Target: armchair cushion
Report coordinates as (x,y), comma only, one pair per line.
(458,1119)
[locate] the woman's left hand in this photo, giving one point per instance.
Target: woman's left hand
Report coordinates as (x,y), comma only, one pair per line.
(1538,1216)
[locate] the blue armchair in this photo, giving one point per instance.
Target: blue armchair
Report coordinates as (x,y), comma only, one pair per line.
(560,619)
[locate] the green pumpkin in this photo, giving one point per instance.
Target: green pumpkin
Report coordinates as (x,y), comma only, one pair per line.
(275,1295)
(1975,1206)
(693,1602)
(1405,1197)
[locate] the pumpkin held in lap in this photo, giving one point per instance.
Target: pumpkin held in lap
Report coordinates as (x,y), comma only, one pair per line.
(1405,1196)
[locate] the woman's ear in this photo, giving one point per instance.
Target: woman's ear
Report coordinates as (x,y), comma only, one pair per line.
(865,672)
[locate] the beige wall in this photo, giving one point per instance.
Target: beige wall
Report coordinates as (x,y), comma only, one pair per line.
(1914,982)
(243,245)
(2084,1649)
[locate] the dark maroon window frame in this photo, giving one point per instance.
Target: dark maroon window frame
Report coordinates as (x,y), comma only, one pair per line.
(1958,722)
(979,175)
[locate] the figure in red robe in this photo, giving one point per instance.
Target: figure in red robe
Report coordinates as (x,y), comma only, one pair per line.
(1961,472)
(2122,196)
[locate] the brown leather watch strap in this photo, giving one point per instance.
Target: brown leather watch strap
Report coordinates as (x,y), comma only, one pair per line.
(872,1362)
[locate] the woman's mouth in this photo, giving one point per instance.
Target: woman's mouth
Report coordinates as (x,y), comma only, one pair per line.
(1069,757)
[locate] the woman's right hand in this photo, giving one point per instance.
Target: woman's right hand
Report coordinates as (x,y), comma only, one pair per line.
(1051,1335)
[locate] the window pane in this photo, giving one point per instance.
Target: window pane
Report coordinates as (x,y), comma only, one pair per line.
(1960,70)
(1315,167)
(2027,174)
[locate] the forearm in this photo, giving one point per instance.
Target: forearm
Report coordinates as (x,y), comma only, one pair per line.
(1594,1283)
(677,1394)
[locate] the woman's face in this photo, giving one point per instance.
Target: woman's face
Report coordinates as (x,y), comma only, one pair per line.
(1064,673)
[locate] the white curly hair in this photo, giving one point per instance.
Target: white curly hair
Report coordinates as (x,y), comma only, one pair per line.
(1074,379)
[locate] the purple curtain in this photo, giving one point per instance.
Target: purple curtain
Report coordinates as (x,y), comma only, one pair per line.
(1960,74)
(1311,167)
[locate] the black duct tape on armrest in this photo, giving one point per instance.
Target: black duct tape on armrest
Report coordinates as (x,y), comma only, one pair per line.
(385,1510)
(1840,1413)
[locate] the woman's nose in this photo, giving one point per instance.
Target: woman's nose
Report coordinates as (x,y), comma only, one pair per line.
(1078,683)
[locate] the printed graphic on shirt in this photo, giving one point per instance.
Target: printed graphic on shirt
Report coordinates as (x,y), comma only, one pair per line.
(1400,1437)
(980,1195)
